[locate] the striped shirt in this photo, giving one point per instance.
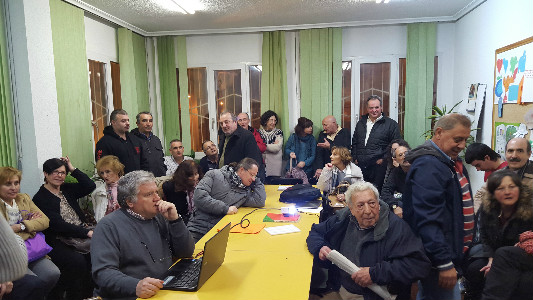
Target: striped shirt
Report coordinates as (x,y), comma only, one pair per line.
(468,206)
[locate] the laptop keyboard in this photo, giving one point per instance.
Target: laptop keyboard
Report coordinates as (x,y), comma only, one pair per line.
(188,277)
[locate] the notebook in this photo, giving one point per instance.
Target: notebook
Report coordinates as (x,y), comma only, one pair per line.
(190,274)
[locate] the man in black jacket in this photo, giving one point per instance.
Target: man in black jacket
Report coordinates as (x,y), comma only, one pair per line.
(117,141)
(152,147)
(332,136)
(373,133)
(236,143)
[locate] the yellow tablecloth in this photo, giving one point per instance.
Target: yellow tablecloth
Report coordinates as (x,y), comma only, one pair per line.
(258,266)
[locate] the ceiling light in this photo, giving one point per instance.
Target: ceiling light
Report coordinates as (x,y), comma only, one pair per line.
(184,8)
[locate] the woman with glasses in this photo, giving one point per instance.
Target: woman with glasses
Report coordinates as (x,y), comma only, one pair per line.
(59,201)
(506,211)
(393,187)
(222,191)
(180,189)
(26,220)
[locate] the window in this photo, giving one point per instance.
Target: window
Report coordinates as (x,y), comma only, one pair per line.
(98,98)
(228,91)
(346,94)
(255,72)
(198,107)
(375,80)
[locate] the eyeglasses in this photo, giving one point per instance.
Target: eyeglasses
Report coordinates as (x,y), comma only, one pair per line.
(253,176)
(152,257)
(59,173)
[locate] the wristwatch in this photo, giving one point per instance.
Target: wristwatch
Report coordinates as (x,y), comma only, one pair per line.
(394,207)
(22,227)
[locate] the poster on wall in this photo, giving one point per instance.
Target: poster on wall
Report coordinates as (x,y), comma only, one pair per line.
(504,132)
(513,73)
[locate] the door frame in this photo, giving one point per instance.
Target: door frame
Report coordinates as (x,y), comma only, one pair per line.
(356,83)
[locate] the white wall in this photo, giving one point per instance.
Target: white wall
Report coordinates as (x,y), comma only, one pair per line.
(205,50)
(34,88)
(494,24)
(102,45)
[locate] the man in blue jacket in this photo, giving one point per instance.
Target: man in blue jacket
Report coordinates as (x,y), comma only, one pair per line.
(375,239)
(438,205)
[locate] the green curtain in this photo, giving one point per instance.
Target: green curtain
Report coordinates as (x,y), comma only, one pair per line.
(321,74)
(72,83)
(274,94)
(421,44)
(169,88)
(8,155)
(184,93)
(133,72)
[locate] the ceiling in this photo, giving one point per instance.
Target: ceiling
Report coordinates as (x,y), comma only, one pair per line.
(153,18)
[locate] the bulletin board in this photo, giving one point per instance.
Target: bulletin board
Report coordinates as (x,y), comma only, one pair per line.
(513,93)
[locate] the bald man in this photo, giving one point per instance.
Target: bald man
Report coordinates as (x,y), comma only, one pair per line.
(332,135)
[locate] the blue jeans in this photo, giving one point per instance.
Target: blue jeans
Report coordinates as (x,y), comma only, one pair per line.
(429,289)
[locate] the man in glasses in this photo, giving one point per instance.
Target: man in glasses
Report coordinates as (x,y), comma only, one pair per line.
(137,241)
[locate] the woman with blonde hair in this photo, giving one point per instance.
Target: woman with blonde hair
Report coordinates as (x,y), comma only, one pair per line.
(341,168)
(104,197)
(26,221)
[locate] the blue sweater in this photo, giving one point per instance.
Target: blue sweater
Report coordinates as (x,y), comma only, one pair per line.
(305,150)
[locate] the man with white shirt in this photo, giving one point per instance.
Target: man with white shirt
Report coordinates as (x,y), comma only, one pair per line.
(176,156)
(373,133)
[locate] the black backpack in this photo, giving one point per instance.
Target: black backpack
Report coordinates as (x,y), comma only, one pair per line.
(300,193)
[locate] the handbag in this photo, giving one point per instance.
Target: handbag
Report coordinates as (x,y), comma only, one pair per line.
(37,247)
(81,245)
(297,173)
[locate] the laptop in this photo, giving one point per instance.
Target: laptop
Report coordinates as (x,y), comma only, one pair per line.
(190,274)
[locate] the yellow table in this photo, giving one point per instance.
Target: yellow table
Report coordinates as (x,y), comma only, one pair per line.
(258,266)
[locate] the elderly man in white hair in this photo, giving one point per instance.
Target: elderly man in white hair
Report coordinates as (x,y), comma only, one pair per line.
(133,246)
(375,239)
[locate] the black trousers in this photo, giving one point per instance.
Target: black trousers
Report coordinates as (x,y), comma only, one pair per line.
(27,287)
(375,173)
(475,278)
(510,276)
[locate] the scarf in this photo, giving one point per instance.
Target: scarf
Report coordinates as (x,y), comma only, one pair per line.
(235,180)
(468,206)
(112,203)
(270,136)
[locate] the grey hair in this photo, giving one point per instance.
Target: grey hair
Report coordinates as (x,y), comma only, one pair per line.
(128,186)
(232,115)
(247,163)
(360,186)
(138,117)
(449,121)
(116,112)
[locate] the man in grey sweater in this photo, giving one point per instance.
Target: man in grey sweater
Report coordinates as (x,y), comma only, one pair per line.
(133,246)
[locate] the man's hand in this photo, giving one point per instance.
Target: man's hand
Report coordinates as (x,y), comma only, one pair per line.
(324,145)
(232,210)
(362,277)
(148,287)
(167,210)
(448,278)
(379,161)
(324,251)
(398,211)
(6,288)
(301,164)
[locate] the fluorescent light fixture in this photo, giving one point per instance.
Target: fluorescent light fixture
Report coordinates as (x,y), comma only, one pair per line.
(378,1)
(386,1)
(184,8)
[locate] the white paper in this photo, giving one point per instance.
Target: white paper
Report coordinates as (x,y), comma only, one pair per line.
(349,267)
(310,210)
(282,229)
(283,187)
